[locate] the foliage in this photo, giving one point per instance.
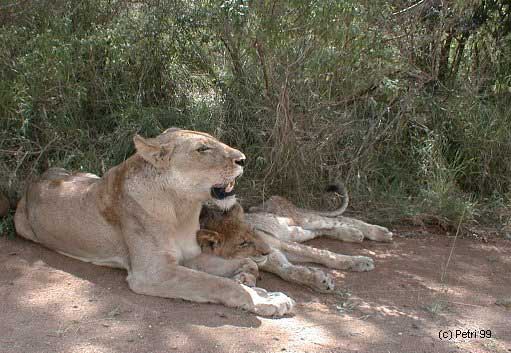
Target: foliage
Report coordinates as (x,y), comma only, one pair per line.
(405,101)
(7,226)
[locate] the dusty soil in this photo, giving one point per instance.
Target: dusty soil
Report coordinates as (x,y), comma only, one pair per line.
(51,303)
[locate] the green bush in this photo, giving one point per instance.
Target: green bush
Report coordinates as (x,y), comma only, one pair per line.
(408,105)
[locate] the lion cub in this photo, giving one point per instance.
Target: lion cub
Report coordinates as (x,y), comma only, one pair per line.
(280,218)
(227,234)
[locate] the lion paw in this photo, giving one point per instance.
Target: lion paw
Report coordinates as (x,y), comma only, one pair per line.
(247,279)
(248,266)
(269,303)
(379,233)
(347,234)
(362,264)
(321,281)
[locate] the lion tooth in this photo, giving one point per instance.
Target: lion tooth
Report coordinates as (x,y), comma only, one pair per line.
(229,187)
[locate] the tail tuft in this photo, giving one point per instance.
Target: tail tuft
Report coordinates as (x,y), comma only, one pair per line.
(341,191)
(334,188)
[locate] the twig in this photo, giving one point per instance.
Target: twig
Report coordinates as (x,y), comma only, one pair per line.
(43,150)
(467,304)
(452,247)
(408,8)
(260,55)
(13,152)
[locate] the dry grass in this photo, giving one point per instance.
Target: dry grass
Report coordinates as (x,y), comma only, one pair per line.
(307,98)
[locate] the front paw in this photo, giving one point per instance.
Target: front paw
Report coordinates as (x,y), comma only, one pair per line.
(378,233)
(248,266)
(269,303)
(320,281)
(247,279)
(348,234)
(362,264)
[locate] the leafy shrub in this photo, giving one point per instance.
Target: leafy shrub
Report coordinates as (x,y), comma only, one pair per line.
(408,104)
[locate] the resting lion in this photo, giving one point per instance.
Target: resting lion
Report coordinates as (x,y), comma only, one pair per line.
(227,234)
(280,218)
(142,216)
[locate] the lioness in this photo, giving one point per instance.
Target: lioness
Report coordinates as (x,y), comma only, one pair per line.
(227,234)
(142,216)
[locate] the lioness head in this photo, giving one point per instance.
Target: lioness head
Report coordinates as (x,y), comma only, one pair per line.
(193,162)
(227,235)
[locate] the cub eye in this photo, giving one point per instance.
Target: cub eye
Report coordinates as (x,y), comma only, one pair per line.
(203,148)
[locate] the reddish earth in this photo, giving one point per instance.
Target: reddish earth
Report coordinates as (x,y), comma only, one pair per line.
(51,303)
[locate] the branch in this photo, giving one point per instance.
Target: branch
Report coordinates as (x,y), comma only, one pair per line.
(260,55)
(408,8)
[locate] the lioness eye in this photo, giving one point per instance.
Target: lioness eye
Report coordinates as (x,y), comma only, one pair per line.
(203,149)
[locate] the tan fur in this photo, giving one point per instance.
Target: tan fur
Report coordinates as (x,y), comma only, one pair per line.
(227,231)
(143,215)
(229,235)
(279,205)
(216,240)
(279,217)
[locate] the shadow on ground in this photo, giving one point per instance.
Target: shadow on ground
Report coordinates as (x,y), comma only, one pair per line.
(51,303)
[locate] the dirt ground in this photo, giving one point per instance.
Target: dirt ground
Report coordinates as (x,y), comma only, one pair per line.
(51,303)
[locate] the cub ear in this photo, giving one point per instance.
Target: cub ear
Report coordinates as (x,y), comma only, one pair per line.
(152,151)
(236,212)
(208,239)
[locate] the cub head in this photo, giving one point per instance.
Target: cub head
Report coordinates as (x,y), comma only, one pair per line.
(194,163)
(227,235)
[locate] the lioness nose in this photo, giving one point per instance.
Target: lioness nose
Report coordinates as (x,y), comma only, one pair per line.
(264,249)
(236,156)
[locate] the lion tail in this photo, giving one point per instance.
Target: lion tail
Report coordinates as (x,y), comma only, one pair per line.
(339,190)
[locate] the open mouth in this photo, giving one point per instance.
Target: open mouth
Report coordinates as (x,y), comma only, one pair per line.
(223,191)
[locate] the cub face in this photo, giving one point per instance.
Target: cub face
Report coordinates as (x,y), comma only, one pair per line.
(227,235)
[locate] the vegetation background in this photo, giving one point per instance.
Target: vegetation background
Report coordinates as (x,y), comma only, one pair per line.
(408,101)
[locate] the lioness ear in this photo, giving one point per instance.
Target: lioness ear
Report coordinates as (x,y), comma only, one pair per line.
(152,151)
(208,238)
(236,211)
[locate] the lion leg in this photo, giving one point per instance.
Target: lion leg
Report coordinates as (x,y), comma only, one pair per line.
(184,283)
(155,271)
(316,279)
(333,229)
(304,253)
(244,271)
(370,231)
(344,233)
(294,233)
